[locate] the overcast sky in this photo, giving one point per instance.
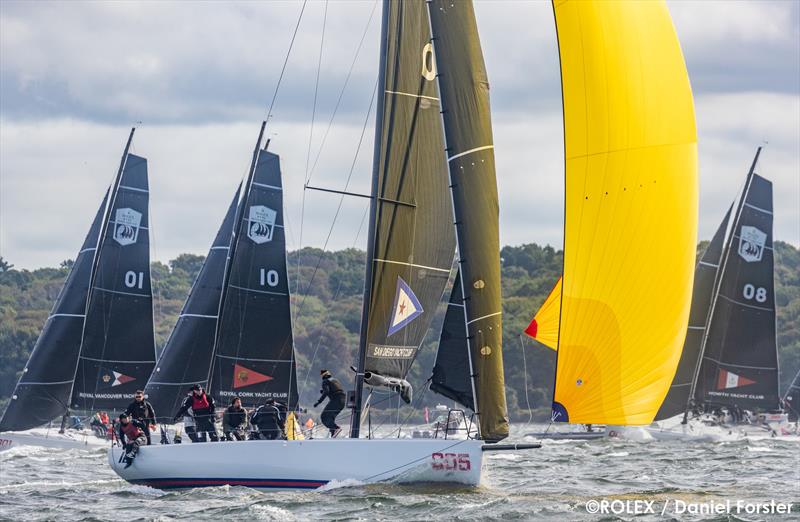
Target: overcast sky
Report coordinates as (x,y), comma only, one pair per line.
(198,76)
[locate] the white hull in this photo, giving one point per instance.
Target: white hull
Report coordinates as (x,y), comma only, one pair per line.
(303,464)
(51,439)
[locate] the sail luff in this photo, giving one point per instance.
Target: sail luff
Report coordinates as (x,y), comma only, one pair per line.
(464,91)
(232,244)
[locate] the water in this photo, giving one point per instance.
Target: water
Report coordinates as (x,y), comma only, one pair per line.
(552,483)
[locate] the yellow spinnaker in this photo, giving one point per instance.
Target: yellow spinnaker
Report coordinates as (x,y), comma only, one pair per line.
(631,210)
(544,326)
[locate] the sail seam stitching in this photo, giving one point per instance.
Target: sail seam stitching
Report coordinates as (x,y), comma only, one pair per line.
(484,317)
(254,290)
(126,187)
(118,292)
(411,264)
(411,95)
(470,151)
(765,211)
(744,304)
(264,185)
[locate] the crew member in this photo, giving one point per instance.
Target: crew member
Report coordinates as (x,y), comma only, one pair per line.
(132,436)
(333,391)
(269,421)
(142,411)
(203,408)
(234,421)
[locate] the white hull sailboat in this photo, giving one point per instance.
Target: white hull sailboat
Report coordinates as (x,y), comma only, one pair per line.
(51,438)
(303,464)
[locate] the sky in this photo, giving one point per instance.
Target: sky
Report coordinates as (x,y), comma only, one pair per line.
(196,80)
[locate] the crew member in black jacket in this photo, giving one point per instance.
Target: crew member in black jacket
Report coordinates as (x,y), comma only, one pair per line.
(333,391)
(143,411)
(203,409)
(234,421)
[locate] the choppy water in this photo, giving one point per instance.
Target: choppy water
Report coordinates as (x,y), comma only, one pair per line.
(552,483)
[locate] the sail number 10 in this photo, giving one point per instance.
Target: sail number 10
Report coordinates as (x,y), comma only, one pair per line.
(750,292)
(268,277)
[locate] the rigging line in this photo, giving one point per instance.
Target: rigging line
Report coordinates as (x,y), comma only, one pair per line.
(341,200)
(525,373)
(333,300)
(310,141)
(285,61)
(341,93)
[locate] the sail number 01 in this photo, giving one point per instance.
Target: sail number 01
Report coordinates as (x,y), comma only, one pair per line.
(750,291)
(134,279)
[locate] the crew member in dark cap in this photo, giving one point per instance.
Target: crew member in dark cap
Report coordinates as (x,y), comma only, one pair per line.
(333,391)
(203,409)
(131,435)
(269,421)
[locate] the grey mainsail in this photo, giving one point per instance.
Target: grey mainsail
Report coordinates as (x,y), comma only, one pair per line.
(186,358)
(464,91)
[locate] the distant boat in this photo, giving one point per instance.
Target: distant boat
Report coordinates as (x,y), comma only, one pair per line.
(97,346)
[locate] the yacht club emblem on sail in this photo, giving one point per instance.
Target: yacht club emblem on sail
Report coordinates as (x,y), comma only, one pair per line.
(729,380)
(126,226)
(260,224)
(246,377)
(751,244)
(113,378)
(406,307)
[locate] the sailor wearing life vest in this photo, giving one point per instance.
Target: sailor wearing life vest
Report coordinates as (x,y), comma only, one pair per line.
(131,435)
(333,391)
(203,408)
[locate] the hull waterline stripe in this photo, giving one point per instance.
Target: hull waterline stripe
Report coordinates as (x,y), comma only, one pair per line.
(484,317)
(170,483)
(264,185)
(411,264)
(470,151)
(399,93)
(758,208)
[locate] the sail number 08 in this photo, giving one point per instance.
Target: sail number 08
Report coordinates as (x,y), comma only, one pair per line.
(750,291)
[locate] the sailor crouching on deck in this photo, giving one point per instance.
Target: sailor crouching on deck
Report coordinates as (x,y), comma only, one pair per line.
(203,407)
(333,391)
(131,435)
(234,421)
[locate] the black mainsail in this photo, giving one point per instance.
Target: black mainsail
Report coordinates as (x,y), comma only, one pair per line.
(42,392)
(411,240)
(117,353)
(705,277)
(254,347)
(464,89)
(186,358)
(739,365)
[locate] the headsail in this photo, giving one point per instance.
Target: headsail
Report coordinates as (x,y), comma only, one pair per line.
(740,357)
(118,351)
(544,325)
(186,358)
(42,392)
(411,240)
(705,276)
(254,350)
(631,183)
(464,90)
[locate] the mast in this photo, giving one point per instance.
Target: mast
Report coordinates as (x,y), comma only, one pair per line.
(355,419)
(100,240)
(232,245)
(718,282)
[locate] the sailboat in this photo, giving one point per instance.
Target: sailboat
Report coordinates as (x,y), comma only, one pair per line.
(618,317)
(403,269)
(97,345)
(730,358)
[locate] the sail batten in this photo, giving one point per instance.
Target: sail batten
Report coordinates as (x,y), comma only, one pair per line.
(631,181)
